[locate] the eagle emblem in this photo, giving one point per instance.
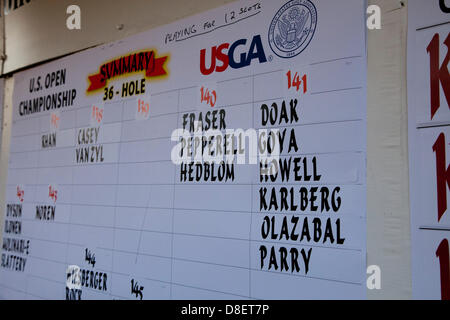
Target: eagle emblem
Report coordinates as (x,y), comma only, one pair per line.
(292,28)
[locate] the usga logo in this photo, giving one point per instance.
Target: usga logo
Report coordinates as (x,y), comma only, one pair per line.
(226,55)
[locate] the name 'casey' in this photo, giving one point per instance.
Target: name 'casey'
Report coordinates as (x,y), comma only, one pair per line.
(89,153)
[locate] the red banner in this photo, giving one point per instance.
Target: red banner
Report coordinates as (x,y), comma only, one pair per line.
(136,62)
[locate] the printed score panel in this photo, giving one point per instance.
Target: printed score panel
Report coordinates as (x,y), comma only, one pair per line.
(219,157)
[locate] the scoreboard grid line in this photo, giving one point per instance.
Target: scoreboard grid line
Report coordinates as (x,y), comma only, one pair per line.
(158,161)
(194,261)
(298,125)
(200,209)
(173,206)
(125,99)
(116,191)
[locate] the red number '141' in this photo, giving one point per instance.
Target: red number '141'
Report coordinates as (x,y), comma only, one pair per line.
(296,82)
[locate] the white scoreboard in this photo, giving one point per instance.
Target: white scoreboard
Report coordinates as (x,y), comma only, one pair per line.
(221,157)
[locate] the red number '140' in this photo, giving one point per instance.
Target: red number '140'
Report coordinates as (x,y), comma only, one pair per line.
(208,96)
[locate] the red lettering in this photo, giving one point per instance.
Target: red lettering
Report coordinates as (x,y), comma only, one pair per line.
(442,253)
(442,175)
(438,74)
(223,57)
(203,69)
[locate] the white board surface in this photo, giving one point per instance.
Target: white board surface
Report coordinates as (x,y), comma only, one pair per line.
(92,183)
